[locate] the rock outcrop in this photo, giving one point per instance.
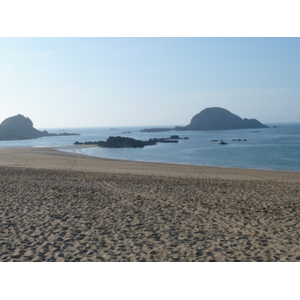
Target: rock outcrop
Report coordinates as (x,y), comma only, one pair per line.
(156,129)
(122,142)
(20,128)
(215,118)
(126,142)
(119,142)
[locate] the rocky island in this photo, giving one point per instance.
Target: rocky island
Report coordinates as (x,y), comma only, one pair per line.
(20,128)
(126,142)
(214,118)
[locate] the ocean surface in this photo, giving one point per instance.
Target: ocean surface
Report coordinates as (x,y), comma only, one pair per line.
(267,148)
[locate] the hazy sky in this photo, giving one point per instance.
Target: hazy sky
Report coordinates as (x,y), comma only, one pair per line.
(90,82)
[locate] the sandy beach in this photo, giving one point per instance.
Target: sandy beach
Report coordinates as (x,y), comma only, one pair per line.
(57,206)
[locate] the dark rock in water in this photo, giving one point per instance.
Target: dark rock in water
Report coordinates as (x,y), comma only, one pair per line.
(64,134)
(163,140)
(156,129)
(223,143)
(176,137)
(126,142)
(20,128)
(214,118)
(119,142)
(86,143)
(122,142)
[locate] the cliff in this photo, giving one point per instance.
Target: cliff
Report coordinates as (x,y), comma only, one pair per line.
(20,128)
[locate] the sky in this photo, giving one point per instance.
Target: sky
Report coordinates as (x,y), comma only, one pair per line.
(111,81)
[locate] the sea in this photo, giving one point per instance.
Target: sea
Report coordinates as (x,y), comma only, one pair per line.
(273,148)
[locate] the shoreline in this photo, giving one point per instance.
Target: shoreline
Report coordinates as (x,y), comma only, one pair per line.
(60,206)
(172,163)
(52,158)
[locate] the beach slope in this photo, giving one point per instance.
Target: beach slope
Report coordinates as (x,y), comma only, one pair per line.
(58,206)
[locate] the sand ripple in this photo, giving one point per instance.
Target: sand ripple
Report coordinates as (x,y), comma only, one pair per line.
(57,215)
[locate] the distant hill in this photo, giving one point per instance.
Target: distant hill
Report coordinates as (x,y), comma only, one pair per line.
(20,128)
(216,118)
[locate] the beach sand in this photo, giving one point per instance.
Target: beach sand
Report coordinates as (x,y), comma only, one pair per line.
(58,206)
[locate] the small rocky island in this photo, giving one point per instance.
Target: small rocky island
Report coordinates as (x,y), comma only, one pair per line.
(20,128)
(214,118)
(126,142)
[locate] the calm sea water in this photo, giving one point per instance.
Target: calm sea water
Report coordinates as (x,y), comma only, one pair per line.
(268,149)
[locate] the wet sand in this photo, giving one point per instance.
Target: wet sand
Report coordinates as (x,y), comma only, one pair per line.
(57,206)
